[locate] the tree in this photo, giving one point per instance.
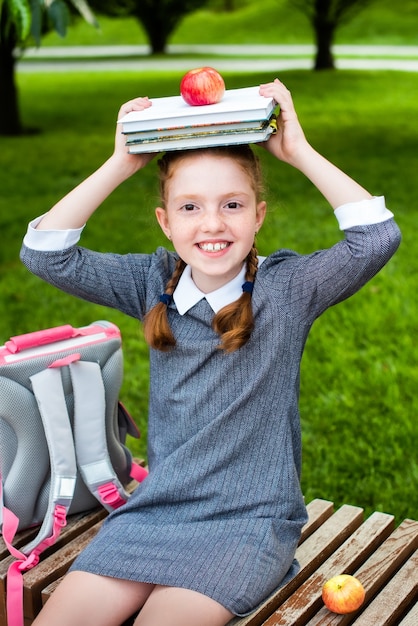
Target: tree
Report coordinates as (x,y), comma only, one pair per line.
(326,16)
(22,23)
(159,18)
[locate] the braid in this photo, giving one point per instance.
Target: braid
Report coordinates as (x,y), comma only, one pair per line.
(173,282)
(252,264)
(157,330)
(235,322)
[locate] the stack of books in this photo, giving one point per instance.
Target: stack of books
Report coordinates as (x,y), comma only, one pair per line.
(242,116)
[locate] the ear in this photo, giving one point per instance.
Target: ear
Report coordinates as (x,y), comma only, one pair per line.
(161,215)
(260,214)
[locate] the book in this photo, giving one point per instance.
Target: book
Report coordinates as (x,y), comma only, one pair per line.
(203,129)
(237,105)
(201,141)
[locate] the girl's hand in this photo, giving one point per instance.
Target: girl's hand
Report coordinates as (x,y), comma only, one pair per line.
(133,161)
(289,139)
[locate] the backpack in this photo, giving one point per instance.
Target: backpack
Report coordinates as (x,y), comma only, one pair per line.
(62,437)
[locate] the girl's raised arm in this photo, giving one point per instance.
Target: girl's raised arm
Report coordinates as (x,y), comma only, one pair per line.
(78,205)
(290,145)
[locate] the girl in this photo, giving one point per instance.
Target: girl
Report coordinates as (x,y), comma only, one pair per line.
(214,528)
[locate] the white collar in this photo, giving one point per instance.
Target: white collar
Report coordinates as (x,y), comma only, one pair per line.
(186,294)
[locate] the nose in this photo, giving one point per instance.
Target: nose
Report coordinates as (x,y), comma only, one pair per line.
(213,221)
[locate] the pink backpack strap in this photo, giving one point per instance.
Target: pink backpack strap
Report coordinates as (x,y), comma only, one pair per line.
(138,472)
(25,562)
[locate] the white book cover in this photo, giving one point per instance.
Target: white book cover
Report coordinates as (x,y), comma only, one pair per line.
(237,105)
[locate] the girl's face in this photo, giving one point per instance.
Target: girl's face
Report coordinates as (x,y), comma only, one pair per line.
(211,216)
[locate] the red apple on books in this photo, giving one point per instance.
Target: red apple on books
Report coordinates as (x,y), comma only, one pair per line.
(203,85)
(343,594)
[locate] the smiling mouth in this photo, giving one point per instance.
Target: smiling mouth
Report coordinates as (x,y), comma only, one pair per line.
(213,247)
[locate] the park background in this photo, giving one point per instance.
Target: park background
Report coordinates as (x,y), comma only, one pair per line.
(359,372)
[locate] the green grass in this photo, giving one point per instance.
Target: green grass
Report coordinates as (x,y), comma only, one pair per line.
(359,374)
(263,22)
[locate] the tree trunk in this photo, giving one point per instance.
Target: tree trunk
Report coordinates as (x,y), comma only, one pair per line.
(156,24)
(10,123)
(324,36)
(158,40)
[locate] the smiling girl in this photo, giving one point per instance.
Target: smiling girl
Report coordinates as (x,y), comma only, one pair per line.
(214,527)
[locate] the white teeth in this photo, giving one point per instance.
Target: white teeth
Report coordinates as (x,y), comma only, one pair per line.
(213,247)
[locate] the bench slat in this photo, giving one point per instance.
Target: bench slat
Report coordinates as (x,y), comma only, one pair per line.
(318,511)
(392,602)
(21,538)
(377,570)
(310,554)
(301,606)
(411,619)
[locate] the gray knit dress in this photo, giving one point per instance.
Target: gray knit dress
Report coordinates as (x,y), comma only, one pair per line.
(221,510)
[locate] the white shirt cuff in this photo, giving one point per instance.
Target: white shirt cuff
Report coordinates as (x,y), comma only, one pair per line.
(50,240)
(362,213)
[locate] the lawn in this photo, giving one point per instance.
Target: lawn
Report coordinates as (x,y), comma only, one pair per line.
(359,372)
(262,22)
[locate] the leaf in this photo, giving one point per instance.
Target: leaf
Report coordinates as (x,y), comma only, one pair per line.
(20,15)
(36,26)
(59,16)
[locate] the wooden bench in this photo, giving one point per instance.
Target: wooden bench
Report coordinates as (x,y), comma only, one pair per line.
(382,556)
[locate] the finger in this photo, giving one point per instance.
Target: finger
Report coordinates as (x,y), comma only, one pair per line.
(276,90)
(137,104)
